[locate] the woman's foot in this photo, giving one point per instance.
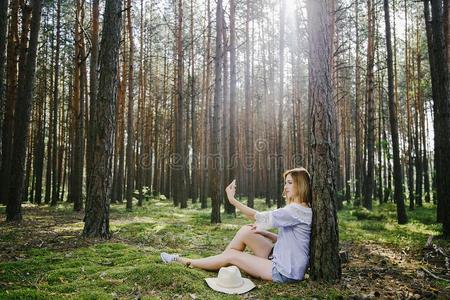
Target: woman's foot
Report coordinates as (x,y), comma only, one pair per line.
(168,258)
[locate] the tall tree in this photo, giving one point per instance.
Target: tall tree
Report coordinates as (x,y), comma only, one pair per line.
(55,195)
(130,120)
(249,155)
(97,203)
(217,167)
(418,160)
(409,153)
(206,111)
(193,96)
(279,170)
(78,112)
(324,261)
(398,178)
(3,27)
(370,102)
(93,86)
(358,150)
(22,117)
(232,136)
(11,90)
(179,171)
(441,108)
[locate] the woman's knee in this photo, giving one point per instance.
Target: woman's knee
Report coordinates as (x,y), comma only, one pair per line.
(245,230)
(230,255)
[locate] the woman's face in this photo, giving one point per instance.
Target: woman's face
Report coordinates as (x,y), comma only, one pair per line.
(289,188)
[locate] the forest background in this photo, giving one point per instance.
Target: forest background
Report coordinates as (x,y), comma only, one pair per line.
(168,101)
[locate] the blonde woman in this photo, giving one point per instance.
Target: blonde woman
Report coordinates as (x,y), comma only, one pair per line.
(281,257)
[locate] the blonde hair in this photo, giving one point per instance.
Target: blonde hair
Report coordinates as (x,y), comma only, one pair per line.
(302,184)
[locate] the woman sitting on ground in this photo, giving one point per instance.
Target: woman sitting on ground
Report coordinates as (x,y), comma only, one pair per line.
(279,258)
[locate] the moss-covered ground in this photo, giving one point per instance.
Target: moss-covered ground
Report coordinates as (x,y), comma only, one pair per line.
(45,257)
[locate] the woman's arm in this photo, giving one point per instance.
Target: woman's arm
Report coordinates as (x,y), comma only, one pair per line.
(270,235)
(247,211)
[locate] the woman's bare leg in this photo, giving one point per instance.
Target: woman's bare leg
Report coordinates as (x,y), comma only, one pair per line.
(253,265)
(259,244)
(256,265)
(211,263)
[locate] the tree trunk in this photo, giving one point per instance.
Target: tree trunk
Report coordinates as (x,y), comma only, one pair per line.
(409,153)
(141,112)
(230,209)
(194,129)
(225,120)
(441,108)
(78,113)
(97,204)
(179,163)
(398,178)
(279,170)
(217,159)
(93,85)
(22,118)
(39,147)
(130,122)
(3,27)
(249,155)
(417,103)
(370,100)
(55,172)
(358,153)
(324,261)
(206,115)
(11,95)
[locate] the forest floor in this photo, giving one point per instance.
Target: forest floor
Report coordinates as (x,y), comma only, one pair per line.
(45,257)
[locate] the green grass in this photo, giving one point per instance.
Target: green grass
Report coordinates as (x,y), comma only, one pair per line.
(128,266)
(380,226)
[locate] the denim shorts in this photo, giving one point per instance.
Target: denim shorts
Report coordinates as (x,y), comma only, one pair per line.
(280,278)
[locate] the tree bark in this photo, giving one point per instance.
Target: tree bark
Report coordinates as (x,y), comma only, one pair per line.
(324,261)
(22,118)
(3,27)
(398,178)
(232,137)
(216,155)
(55,172)
(179,163)
(249,155)
(370,100)
(279,170)
(358,151)
(78,113)
(441,108)
(97,204)
(130,163)
(93,85)
(11,94)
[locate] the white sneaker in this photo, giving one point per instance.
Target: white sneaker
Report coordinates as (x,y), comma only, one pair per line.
(168,258)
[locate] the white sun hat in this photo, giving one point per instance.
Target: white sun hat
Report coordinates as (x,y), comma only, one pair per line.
(230,281)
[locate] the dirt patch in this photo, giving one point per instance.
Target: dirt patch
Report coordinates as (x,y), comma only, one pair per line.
(378,271)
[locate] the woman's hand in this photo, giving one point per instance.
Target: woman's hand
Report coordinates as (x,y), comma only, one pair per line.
(255,229)
(271,236)
(231,191)
(247,211)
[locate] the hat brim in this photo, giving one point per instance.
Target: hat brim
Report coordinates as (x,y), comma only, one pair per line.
(247,286)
